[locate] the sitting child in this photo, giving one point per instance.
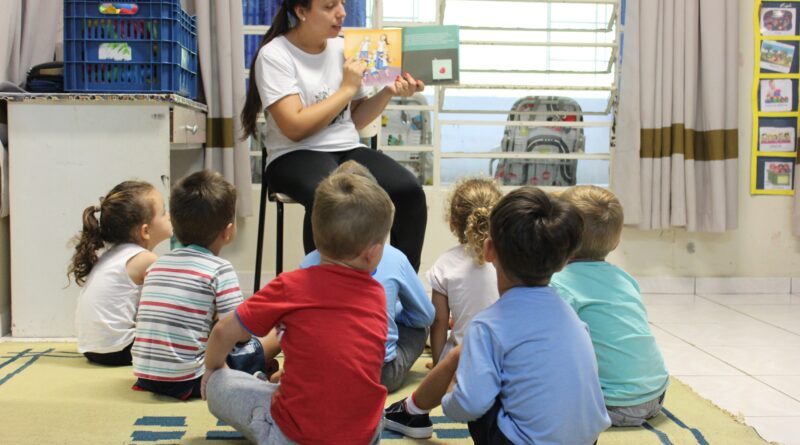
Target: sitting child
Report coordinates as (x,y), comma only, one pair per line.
(526,371)
(187,290)
(632,372)
(462,282)
(132,221)
(332,321)
(409,310)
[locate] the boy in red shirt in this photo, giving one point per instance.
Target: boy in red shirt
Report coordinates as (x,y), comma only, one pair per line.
(332,324)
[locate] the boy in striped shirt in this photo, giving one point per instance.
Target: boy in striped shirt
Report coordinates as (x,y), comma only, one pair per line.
(187,290)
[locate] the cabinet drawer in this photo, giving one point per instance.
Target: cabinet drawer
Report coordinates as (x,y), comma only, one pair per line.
(188,126)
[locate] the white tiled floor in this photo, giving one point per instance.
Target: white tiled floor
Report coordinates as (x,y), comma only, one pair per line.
(740,351)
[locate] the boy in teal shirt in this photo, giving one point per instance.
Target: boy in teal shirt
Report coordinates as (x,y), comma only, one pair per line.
(631,370)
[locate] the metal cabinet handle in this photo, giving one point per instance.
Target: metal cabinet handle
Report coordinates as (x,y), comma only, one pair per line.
(192,128)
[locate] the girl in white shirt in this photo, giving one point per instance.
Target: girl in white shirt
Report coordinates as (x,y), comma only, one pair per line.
(463,283)
(133,219)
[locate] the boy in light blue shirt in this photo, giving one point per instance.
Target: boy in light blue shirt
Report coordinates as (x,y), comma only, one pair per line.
(526,372)
(632,372)
(408,306)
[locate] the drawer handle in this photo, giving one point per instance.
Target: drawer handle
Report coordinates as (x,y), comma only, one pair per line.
(191,128)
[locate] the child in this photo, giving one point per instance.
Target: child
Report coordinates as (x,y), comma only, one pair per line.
(463,284)
(527,371)
(632,372)
(133,220)
(409,310)
(187,290)
(333,322)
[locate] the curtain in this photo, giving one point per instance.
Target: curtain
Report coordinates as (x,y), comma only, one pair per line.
(28,34)
(220,39)
(676,157)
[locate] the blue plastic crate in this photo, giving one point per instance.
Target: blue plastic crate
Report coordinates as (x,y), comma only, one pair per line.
(145,46)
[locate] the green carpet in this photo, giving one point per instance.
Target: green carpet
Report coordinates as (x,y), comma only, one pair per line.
(51,394)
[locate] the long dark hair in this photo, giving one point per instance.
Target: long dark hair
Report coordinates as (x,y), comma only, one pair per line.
(281,24)
(122,210)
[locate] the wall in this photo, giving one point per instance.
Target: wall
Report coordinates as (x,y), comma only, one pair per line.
(5,279)
(761,247)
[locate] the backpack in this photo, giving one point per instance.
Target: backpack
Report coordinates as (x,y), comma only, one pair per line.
(541,172)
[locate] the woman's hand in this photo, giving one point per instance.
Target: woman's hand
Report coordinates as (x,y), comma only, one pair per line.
(353,73)
(405,86)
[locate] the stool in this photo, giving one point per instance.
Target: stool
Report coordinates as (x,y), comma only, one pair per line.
(279,199)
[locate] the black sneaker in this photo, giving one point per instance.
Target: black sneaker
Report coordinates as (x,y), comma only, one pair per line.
(415,426)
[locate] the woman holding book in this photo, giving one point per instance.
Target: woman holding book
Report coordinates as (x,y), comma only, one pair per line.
(314,103)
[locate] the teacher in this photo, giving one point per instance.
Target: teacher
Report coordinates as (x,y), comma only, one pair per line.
(314,103)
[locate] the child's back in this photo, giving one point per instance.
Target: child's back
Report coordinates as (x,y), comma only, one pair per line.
(607,299)
(332,322)
(463,283)
(532,352)
(631,369)
(470,287)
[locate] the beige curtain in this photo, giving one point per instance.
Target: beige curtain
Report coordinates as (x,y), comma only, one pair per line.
(28,33)
(675,162)
(220,38)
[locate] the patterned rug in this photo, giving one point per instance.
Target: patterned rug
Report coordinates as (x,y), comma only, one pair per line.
(50,394)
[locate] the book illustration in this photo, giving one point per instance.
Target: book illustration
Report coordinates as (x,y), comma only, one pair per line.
(381,49)
(778,21)
(776,139)
(430,54)
(778,175)
(776,56)
(117,51)
(776,95)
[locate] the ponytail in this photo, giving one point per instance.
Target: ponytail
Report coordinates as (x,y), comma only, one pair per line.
(89,242)
(126,208)
(476,233)
(281,24)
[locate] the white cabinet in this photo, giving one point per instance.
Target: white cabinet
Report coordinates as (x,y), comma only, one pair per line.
(64,154)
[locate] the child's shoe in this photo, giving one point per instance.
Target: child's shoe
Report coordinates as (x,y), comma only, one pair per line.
(415,426)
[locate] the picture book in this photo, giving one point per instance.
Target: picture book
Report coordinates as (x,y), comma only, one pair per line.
(428,53)
(381,49)
(776,56)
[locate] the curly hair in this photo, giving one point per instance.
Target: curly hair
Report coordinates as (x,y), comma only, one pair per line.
(469,207)
(122,210)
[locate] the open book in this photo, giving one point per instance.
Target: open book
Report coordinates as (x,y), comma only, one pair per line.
(429,53)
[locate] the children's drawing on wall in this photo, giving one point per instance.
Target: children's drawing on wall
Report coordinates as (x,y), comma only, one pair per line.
(778,175)
(776,56)
(776,95)
(776,139)
(778,21)
(380,49)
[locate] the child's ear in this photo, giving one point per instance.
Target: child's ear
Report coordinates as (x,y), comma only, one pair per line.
(143,234)
(228,233)
(489,253)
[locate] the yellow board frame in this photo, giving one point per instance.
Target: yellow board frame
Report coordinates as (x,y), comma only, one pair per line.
(755,154)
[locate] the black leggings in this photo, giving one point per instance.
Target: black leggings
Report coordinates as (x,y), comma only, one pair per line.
(119,358)
(298,173)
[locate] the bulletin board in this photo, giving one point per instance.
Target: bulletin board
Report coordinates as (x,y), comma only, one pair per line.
(775,97)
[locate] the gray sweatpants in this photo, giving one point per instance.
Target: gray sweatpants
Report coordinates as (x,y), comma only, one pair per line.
(410,344)
(243,401)
(635,415)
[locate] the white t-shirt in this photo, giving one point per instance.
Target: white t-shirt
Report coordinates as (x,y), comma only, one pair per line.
(469,288)
(283,69)
(107,303)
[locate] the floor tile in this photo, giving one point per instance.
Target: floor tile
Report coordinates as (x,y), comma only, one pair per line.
(746,333)
(748,299)
(784,430)
(788,384)
(760,360)
(667,299)
(784,316)
(686,360)
(743,395)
